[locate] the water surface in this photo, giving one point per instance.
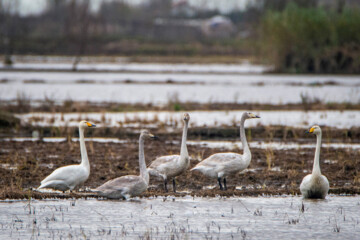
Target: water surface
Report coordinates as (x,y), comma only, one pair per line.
(225,218)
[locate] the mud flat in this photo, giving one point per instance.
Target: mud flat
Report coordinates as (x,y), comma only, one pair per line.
(273,170)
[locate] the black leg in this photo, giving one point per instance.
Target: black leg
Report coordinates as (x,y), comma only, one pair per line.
(225,187)
(221,187)
(165,185)
(174,185)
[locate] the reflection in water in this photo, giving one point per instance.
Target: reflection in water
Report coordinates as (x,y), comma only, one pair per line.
(188,217)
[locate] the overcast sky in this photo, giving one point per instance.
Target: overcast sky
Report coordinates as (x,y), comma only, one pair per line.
(28,7)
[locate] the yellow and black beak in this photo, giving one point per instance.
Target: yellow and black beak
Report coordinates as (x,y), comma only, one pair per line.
(254,116)
(153,137)
(311,130)
(91,125)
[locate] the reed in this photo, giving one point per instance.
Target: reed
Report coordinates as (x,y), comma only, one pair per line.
(312,40)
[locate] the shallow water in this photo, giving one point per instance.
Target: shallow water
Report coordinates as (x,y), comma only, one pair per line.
(154,119)
(201,88)
(231,145)
(272,145)
(225,218)
(62,139)
(244,67)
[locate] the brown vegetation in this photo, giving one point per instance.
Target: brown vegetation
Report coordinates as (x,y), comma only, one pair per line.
(24,164)
(23,105)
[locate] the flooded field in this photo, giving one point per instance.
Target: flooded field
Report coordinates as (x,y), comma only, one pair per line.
(261,202)
(284,217)
(120,65)
(160,88)
(150,119)
(273,170)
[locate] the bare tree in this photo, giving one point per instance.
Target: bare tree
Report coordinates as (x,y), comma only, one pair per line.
(8,17)
(77,27)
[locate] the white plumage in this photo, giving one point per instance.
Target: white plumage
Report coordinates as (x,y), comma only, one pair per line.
(68,177)
(315,185)
(220,165)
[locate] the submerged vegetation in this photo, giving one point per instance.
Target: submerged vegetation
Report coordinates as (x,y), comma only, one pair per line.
(312,40)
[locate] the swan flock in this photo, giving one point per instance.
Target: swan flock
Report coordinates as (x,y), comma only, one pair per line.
(218,166)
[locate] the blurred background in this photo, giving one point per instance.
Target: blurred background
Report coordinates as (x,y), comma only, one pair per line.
(108,56)
(297,36)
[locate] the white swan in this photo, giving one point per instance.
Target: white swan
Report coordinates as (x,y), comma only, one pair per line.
(68,177)
(130,185)
(315,185)
(171,166)
(220,165)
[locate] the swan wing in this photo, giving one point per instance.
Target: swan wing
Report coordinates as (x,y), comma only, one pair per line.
(221,164)
(305,184)
(68,174)
(314,186)
(164,161)
(325,182)
(166,166)
(122,186)
(221,159)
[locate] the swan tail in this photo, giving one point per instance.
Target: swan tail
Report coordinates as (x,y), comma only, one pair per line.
(44,184)
(196,168)
(55,184)
(200,169)
(155,173)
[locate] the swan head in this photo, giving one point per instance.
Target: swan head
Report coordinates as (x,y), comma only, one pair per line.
(314,129)
(146,134)
(85,124)
(186,117)
(249,115)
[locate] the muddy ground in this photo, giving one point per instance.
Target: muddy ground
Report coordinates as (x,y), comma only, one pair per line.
(48,105)
(24,164)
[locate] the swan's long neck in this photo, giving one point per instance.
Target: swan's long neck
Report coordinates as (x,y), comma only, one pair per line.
(244,142)
(316,167)
(143,171)
(84,156)
(183,151)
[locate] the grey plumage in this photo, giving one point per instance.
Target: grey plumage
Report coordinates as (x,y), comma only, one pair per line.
(130,185)
(167,167)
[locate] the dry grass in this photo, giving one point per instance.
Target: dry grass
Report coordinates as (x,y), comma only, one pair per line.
(30,164)
(23,104)
(269,157)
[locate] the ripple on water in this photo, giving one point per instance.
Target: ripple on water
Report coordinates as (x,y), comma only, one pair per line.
(285,217)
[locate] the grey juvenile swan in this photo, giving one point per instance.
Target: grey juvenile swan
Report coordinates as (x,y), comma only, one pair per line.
(315,185)
(68,177)
(130,185)
(171,166)
(220,165)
